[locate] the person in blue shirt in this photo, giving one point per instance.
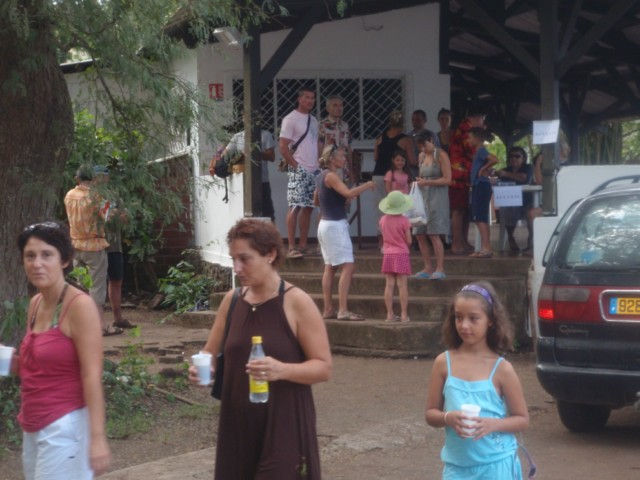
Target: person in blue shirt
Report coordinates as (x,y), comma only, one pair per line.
(472,371)
(481,190)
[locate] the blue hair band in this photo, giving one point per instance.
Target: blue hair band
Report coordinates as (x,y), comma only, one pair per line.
(479,290)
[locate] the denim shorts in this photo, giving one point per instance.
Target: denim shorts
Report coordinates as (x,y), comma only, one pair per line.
(60,451)
(480,200)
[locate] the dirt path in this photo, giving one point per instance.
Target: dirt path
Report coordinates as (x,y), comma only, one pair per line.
(371,426)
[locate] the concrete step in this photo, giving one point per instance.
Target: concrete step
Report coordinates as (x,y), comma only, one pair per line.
(368,338)
(381,339)
(421,309)
(367,283)
(453,265)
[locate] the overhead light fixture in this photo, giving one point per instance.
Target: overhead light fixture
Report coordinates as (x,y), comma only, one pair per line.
(228,35)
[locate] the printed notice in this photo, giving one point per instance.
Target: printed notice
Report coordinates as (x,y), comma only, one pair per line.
(545,131)
(507,196)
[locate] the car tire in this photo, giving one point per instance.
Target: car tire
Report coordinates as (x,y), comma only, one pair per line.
(579,417)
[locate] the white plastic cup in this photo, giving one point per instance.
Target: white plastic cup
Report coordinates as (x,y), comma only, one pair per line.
(472,411)
(6,353)
(202,362)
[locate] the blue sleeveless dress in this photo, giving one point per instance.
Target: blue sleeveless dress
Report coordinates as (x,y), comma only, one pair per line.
(494,456)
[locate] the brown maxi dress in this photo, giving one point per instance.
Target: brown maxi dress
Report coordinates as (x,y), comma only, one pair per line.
(265,441)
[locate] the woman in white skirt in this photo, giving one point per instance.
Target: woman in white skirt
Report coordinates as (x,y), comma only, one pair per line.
(331,196)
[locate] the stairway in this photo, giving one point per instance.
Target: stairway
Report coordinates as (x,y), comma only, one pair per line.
(429,301)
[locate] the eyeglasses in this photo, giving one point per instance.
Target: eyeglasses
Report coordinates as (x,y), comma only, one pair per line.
(515,155)
(39,225)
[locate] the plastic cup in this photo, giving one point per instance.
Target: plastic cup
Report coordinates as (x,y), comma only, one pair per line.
(5,360)
(470,410)
(202,362)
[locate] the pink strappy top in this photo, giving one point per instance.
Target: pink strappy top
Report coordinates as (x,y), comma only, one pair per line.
(51,385)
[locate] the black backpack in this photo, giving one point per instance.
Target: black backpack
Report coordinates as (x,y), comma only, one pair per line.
(223,167)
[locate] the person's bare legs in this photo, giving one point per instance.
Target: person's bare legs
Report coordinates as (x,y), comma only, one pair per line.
(531,215)
(343,286)
(114,288)
(292,222)
(327,288)
(513,244)
(403,294)
(485,242)
(390,281)
(465,230)
(304,220)
(438,252)
(424,251)
(458,242)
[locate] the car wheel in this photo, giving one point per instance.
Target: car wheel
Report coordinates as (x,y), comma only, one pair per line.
(579,417)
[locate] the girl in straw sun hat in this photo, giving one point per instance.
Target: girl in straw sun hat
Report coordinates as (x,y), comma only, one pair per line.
(396,238)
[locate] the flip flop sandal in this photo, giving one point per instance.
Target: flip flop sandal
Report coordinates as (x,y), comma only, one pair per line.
(405,320)
(350,316)
(483,254)
(329,316)
(438,276)
(109,331)
(293,253)
(124,324)
(422,275)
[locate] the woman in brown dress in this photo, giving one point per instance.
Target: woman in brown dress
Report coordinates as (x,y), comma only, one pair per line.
(275,440)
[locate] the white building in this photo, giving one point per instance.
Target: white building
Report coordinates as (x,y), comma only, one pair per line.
(375,62)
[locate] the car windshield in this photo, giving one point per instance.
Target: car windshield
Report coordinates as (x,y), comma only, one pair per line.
(607,235)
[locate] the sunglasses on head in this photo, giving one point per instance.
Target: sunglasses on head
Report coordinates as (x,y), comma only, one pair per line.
(42,225)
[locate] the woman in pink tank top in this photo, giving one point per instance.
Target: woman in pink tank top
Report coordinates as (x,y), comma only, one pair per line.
(62,410)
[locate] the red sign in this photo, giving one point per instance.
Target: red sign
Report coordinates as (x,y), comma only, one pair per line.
(216,91)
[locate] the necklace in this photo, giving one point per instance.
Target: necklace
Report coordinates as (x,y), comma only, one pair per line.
(254,306)
(56,313)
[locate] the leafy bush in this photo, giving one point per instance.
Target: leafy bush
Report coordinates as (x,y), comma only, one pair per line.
(10,432)
(125,385)
(82,277)
(185,289)
(13,321)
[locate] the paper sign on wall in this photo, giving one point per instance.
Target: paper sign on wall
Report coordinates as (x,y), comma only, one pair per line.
(507,196)
(216,91)
(545,131)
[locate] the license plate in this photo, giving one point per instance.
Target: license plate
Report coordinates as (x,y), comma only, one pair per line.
(624,306)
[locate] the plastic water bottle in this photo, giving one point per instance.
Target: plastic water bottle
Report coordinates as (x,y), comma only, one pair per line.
(258,389)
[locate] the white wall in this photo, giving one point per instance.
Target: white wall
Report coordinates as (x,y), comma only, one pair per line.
(401,41)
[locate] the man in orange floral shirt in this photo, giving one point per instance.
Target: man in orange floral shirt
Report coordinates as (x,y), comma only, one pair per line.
(87,211)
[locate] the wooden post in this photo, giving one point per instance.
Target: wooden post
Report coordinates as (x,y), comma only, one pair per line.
(549,97)
(252,135)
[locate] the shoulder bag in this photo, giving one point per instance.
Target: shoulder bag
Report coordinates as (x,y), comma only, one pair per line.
(283,165)
(216,389)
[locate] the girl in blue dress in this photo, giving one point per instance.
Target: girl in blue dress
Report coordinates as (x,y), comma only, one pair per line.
(473,372)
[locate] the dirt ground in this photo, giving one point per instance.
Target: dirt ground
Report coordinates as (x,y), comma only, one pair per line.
(371,423)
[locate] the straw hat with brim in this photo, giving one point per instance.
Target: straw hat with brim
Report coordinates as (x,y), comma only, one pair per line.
(395,203)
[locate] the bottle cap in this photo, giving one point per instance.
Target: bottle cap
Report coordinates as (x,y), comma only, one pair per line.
(256,339)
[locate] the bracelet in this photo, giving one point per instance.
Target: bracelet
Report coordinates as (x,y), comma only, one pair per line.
(445,418)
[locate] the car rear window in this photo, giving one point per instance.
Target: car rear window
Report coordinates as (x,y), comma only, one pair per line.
(606,234)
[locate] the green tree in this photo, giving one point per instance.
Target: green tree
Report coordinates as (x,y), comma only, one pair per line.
(139,97)
(631,141)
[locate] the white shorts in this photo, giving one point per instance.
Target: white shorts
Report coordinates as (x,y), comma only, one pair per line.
(335,242)
(60,451)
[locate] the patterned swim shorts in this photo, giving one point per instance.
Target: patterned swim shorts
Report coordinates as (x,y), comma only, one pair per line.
(301,186)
